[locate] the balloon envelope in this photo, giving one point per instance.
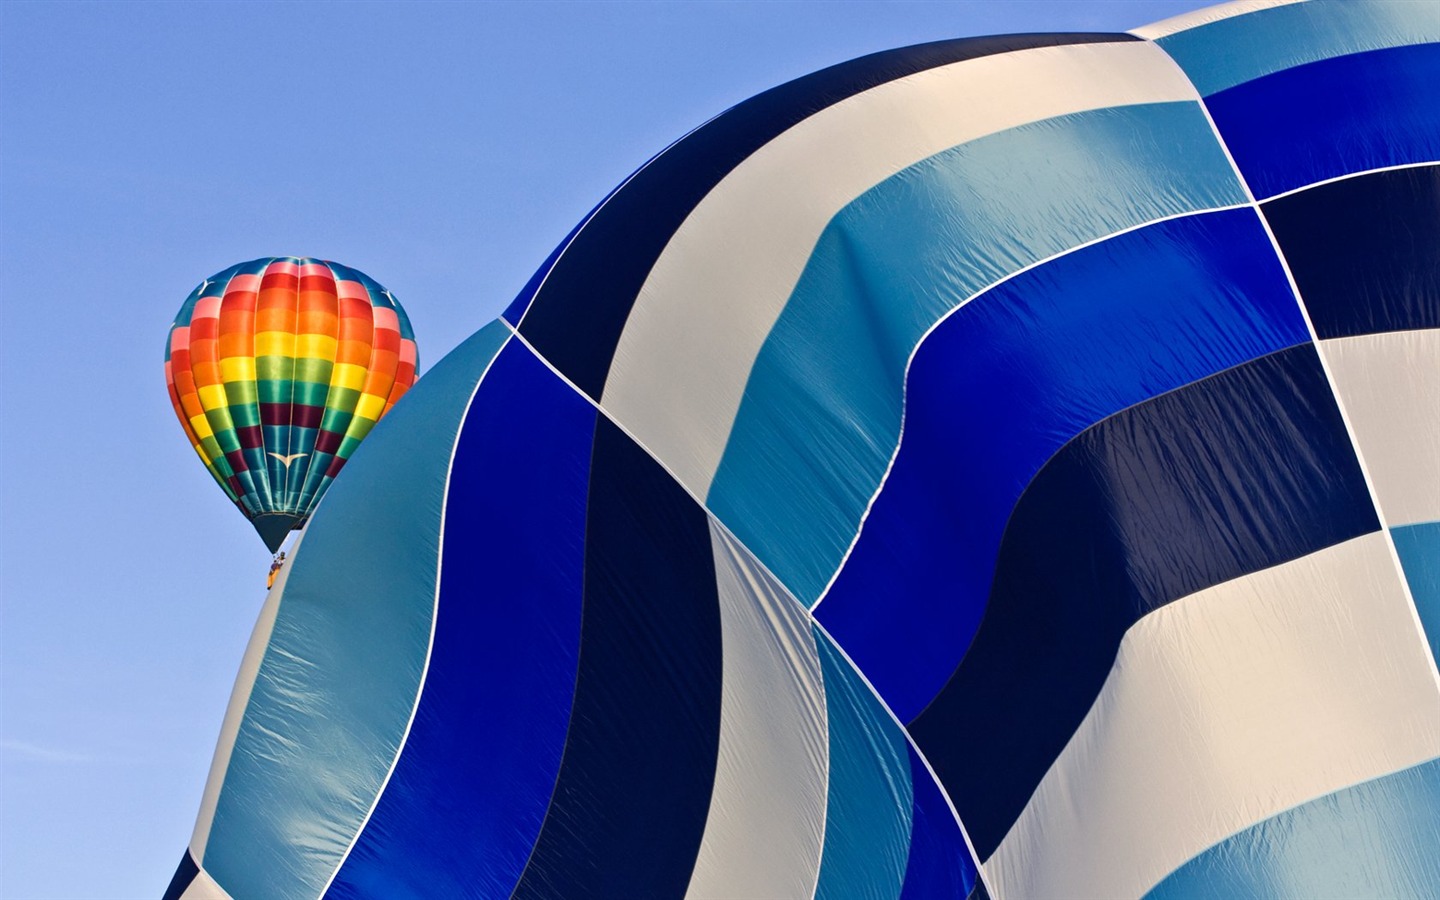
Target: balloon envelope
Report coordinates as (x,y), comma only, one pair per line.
(1054,414)
(277,369)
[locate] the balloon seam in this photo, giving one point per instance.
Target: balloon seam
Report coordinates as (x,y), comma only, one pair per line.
(1254,204)
(905,380)
(434,616)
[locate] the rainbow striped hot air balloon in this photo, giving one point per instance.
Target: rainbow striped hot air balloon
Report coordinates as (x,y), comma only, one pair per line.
(277,369)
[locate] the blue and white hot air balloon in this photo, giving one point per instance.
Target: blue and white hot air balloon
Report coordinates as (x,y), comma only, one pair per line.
(999,467)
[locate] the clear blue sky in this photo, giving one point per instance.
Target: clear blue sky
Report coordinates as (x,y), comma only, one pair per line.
(442,148)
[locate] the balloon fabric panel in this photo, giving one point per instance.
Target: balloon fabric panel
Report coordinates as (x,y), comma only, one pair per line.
(1365,251)
(984,347)
(633,792)
(1331,118)
(628,232)
(1070,342)
(514,528)
(1265,436)
(337,686)
(1375,839)
(824,402)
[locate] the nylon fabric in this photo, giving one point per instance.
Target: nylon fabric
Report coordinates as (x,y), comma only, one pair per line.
(507,640)
(1272,40)
(1206,15)
(1419,549)
(1133,514)
(868,814)
(634,789)
(204,888)
(1376,839)
(1070,343)
(1365,251)
(235,710)
(340,675)
(725,276)
(1224,708)
(767,812)
(1389,385)
(1334,117)
(940,865)
(184,874)
(577,331)
(822,408)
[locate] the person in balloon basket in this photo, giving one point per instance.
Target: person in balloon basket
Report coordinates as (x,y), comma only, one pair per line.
(275,567)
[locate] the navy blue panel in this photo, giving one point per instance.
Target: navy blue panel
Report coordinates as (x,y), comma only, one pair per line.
(467,797)
(940,863)
(634,789)
(184,874)
(576,320)
(1333,117)
(1240,472)
(1001,385)
(1365,251)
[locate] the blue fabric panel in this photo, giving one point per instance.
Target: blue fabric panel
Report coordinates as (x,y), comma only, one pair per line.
(1245,470)
(484,750)
(1333,118)
(1001,385)
(1241,48)
(1419,549)
(940,863)
(634,789)
(1376,839)
(184,874)
(340,676)
(868,808)
(822,408)
(1365,251)
(576,319)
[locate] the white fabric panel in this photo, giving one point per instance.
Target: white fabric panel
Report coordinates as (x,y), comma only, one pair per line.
(1186,21)
(692,337)
(1223,709)
(204,888)
(235,712)
(767,811)
(1389,385)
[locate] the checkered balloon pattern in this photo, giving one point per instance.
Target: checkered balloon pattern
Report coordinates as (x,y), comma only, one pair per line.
(278,368)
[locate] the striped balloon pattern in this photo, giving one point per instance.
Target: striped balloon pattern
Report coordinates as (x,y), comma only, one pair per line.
(278,368)
(1003,467)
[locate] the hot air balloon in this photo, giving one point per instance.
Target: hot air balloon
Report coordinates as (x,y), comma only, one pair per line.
(1000,467)
(277,369)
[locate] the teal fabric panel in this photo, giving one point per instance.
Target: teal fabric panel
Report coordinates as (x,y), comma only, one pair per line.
(822,408)
(869,803)
(1419,549)
(1241,48)
(341,673)
(1376,839)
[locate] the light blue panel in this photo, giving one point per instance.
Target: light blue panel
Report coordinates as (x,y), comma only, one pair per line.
(821,411)
(869,805)
(1235,50)
(1377,839)
(1419,549)
(339,678)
